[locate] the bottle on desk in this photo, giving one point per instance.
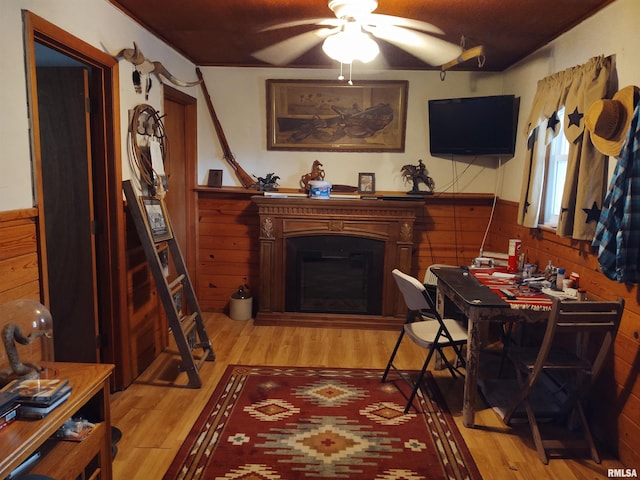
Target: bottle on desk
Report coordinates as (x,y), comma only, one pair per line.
(560,279)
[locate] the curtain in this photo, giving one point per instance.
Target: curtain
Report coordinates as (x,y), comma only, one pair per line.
(576,89)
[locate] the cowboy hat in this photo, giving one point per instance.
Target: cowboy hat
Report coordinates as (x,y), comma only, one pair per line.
(608,120)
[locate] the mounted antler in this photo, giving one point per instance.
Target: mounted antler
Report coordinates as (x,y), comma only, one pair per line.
(144,66)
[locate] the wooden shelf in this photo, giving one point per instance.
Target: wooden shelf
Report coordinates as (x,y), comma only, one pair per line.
(66,460)
(75,455)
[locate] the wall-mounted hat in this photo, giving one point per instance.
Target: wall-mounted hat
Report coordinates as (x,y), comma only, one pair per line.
(609,120)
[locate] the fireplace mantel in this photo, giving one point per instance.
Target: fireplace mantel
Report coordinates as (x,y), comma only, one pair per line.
(390,221)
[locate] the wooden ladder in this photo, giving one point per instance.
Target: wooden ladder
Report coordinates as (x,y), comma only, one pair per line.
(177,294)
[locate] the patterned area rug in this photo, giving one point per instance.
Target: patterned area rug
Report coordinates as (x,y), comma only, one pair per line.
(270,423)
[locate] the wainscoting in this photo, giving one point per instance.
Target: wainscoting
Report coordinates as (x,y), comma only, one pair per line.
(20,270)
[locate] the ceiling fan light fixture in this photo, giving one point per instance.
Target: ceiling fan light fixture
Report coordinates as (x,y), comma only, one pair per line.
(352,9)
(350,44)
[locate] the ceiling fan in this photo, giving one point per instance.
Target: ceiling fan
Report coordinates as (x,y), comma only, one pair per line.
(348,37)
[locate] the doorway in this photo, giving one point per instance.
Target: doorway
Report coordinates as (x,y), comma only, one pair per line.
(77,189)
(180,125)
(66,174)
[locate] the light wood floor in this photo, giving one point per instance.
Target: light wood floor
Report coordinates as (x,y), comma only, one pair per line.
(157,411)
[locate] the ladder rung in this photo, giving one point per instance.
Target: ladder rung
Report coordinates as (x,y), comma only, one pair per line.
(176,282)
(187,323)
(201,360)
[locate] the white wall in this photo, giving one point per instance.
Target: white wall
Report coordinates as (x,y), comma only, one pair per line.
(238,95)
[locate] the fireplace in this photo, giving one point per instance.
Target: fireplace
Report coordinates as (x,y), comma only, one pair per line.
(334,274)
(328,262)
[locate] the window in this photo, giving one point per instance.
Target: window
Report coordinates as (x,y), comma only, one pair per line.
(555,175)
(544,200)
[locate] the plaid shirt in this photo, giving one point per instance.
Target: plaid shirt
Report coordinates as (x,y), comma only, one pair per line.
(618,232)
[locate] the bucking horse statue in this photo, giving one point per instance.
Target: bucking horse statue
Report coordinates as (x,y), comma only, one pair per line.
(418,174)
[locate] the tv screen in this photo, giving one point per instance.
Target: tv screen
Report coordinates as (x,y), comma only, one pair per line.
(474,126)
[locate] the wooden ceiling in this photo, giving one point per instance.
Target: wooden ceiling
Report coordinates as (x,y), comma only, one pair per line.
(227,32)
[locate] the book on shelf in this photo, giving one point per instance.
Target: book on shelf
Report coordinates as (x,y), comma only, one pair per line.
(8,414)
(7,399)
(37,412)
(29,402)
(39,390)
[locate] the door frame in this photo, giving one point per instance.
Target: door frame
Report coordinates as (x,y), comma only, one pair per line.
(107,164)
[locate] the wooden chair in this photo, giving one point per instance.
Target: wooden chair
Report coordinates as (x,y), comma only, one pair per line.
(577,340)
(431,331)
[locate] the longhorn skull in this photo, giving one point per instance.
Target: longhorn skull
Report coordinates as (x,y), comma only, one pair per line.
(144,66)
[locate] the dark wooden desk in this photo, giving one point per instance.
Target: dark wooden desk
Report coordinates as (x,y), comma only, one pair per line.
(480,305)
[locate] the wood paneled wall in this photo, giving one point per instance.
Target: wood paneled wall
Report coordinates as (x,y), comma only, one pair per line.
(228,248)
(148,332)
(615,409)
(20,272)
(449,230)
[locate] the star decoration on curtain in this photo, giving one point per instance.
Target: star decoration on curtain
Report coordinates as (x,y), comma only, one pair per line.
(553,121)
(575,117)
(593,213)
(563,210)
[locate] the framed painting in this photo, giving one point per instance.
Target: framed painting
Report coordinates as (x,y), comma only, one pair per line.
(316,115)
(157,219)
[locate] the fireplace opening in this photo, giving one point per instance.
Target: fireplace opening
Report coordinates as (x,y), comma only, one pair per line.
(334,274)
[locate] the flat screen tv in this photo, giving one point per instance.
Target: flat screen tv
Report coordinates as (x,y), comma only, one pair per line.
(474,125)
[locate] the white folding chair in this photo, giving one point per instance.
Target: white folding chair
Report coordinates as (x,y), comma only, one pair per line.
(426,328)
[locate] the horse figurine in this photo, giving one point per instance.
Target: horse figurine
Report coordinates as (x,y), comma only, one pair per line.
(317,173)
(418,174)
(268,183)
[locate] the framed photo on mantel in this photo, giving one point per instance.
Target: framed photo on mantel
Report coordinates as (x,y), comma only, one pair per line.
(366,183)
(317,115)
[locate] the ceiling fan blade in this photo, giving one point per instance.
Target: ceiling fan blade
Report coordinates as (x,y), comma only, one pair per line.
(283,53)
(431,50)
(332,22)
(389,20)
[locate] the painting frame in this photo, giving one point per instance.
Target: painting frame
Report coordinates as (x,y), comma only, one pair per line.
(333,116)
(157,219)
(366,182)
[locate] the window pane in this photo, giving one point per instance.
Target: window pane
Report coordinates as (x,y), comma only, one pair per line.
(555,175)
